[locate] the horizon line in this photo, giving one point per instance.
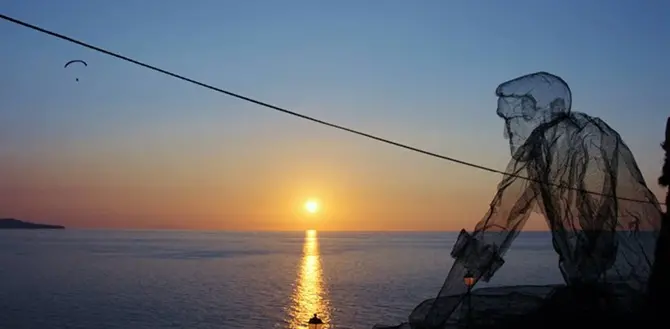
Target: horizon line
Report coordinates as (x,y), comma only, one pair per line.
(291,231)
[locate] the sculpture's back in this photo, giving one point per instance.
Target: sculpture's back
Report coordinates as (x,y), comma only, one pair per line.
(603,217)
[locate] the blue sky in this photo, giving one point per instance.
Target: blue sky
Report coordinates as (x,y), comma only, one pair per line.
(421,72)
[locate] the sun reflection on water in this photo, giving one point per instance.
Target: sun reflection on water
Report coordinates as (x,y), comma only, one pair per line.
(309,295)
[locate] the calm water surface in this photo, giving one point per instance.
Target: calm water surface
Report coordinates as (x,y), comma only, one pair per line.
(204,280)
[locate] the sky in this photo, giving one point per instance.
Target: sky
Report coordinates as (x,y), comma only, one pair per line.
(129,148)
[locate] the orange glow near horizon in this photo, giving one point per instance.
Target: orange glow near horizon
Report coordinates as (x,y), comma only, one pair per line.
(87,187)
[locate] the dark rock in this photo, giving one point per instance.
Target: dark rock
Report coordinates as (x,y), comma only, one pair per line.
(11,223)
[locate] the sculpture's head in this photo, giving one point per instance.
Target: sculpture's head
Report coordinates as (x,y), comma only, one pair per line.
(528,101)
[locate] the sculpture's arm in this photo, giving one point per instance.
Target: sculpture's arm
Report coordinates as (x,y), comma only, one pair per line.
(508,213)
(584,232)
(481,253)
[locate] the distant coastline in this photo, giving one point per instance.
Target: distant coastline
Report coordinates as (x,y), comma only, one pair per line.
(11,223)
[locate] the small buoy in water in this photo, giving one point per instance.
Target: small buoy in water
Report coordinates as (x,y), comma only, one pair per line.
(77,79)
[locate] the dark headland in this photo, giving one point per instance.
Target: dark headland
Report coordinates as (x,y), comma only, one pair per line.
(11,223)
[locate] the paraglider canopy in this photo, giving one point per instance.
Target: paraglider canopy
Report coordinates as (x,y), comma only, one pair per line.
(75,61)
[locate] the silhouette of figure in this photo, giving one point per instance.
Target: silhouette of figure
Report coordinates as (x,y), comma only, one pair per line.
(315,320)
(566,155)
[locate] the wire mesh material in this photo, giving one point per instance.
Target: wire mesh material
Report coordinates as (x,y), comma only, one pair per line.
(601,240)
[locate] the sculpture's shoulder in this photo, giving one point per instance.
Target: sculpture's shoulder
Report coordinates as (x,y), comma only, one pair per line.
(578,127)
(590,124)
(572,134)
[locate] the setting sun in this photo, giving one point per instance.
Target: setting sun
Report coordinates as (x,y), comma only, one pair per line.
(312,206)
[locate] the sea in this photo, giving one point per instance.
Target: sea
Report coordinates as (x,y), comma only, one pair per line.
(131,279)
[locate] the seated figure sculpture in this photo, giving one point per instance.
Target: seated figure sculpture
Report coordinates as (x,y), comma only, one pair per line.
(577,172)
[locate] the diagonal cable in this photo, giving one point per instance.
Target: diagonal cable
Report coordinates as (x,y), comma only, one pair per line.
(296,114)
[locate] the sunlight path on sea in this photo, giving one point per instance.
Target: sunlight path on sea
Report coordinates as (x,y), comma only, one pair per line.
(309,293)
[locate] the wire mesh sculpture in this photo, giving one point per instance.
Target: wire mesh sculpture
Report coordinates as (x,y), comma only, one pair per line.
(581,178)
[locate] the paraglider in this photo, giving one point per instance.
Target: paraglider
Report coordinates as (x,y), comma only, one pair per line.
(75,61)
